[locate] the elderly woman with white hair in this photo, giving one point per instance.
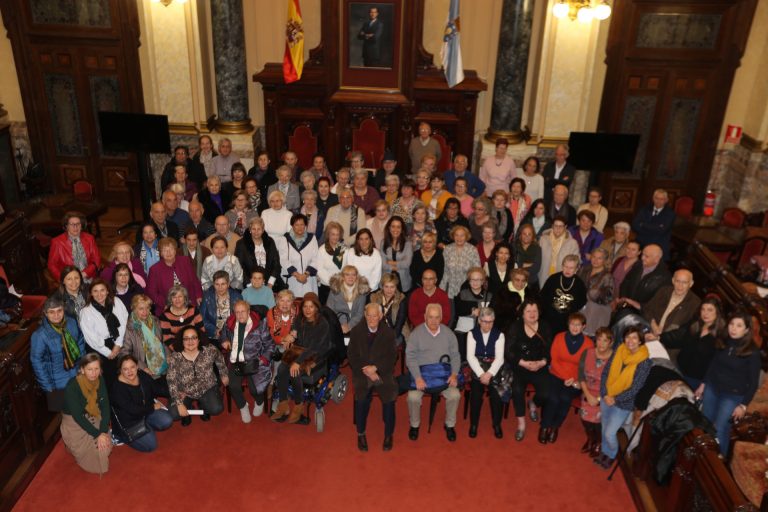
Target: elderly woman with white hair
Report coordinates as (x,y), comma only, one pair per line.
(315,216)
(277,218)
(616,246)
(215,201)
(485,355)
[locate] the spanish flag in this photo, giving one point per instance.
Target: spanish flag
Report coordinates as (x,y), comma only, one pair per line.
(293,59)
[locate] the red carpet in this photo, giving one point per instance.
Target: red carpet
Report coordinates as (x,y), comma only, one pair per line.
(226,465)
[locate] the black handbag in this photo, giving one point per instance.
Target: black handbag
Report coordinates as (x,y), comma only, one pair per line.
(136,431)
(245,368)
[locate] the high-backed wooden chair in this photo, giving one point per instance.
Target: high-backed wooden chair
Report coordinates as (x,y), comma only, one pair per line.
(734,217)
(371,141)
(304,143)
(684,207)
(446,153)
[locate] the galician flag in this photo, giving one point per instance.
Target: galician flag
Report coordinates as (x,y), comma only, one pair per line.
(293,58)
(451,51)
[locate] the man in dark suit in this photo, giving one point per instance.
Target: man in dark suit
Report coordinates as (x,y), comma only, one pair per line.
(653,222)
(195,170)
(644,279)
(559,172)
(371,33)
(559,206)
(163,226)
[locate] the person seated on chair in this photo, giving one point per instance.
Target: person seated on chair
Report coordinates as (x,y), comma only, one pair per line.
(74,247)
(85,417)
(122,252)
(258,250)
(258,293)
(218,305)
(372,354)
(72,291)
(349,294)
(133,399)
(246,337)
(527,351)
(563,293)
(644,279)
(506,301)
(616,245)
(173,268)
(428,293)
(55,351)
(222,229)
(191,377)
(427,344)
(485,355)
(564,386)
(672,306)
(143,340)
(653,222)
(622,378)
(280,318)
(307,347)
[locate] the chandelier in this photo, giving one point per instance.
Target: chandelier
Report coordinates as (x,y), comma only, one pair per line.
(169,2)
(582,10)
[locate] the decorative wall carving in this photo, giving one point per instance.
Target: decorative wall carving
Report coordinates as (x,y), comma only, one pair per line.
(65,115)
(84,13)
(678,30)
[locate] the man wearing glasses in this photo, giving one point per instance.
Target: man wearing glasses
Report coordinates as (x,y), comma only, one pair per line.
(74,247)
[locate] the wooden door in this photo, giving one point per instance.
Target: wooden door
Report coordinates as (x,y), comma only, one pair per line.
(670,69)
(72,63)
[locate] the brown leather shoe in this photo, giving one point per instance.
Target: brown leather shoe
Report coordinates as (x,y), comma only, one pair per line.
(297,413)
(283,408)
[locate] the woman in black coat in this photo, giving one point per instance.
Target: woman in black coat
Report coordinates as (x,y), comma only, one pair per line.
(215,200)
(372,363)
(269,259)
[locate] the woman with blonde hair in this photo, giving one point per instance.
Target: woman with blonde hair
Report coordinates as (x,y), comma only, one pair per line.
(277,218)
(459,257)
(349,294)
(144,341)
(122,252)
(394,306)
(328,260)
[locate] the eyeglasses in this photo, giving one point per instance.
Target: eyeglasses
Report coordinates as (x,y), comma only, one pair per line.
(74,224)
(190,338)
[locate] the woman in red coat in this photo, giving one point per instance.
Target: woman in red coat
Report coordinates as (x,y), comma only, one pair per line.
(74,247)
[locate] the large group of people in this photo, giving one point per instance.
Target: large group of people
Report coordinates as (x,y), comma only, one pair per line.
(493,283)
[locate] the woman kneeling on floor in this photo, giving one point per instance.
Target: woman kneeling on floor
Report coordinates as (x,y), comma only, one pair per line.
(246,336)
(191,377)
(85,417)
(134,403)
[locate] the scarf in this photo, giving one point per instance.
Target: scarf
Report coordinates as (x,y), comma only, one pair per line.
(153,347)
(622,370)
(521,293)
(573,343)
(136,277)
(338,255)
(556,243)
(353,220)
(68,344)
(90,390)
(240,332)
(113,324)
(78,253)
(149,255)
(298,240)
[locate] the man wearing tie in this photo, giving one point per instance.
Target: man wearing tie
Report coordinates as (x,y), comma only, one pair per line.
(653,222)
(371,33)
(559,172)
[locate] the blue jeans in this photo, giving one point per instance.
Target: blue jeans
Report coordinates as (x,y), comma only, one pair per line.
(694,383)
(159,419)
(718,408)
(611,420)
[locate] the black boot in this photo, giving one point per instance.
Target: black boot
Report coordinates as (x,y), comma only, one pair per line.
(587,447)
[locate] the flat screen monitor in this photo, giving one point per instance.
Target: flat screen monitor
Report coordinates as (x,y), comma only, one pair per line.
(122,131)
(603,152)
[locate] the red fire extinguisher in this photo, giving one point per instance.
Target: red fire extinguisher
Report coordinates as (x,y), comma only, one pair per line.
(709,203)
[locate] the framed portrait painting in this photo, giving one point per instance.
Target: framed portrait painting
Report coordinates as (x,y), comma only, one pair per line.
(371,42)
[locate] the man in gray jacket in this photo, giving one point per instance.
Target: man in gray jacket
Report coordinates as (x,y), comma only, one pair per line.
(426,345)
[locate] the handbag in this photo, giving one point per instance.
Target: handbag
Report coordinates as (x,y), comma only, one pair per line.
(436,375)
(136,431)
(245,368)
(502,381)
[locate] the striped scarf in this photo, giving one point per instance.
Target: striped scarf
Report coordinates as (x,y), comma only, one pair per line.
(69,346)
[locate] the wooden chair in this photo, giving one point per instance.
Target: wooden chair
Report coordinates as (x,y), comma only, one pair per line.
(371,141)
(684,207)
(446,153)
(753,246)
(734,218)
(304,143)
(82,190)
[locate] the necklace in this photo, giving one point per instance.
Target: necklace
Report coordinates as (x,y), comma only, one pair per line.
(562,286)
(498,162)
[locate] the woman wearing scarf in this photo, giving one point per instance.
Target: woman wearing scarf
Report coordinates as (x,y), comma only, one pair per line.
(349,293)
(622,378)
(240,214)
(506,301)
(298,250)
(315,216)
(85,417)
(133,401)
(246,337)
(556,243)
(72,291)
(328,261)
(527,254)
(564,386)
(394,306)
(221,259)
(144,341)
(147,249)
(122,252)
(55,351)
(257,250)
(103,322)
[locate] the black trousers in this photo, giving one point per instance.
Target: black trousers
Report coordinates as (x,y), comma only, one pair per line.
(323,292)
(236,389)
(558,403)
(284,379)
(211,403)
(476,392)
(523,377)
(362,407)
